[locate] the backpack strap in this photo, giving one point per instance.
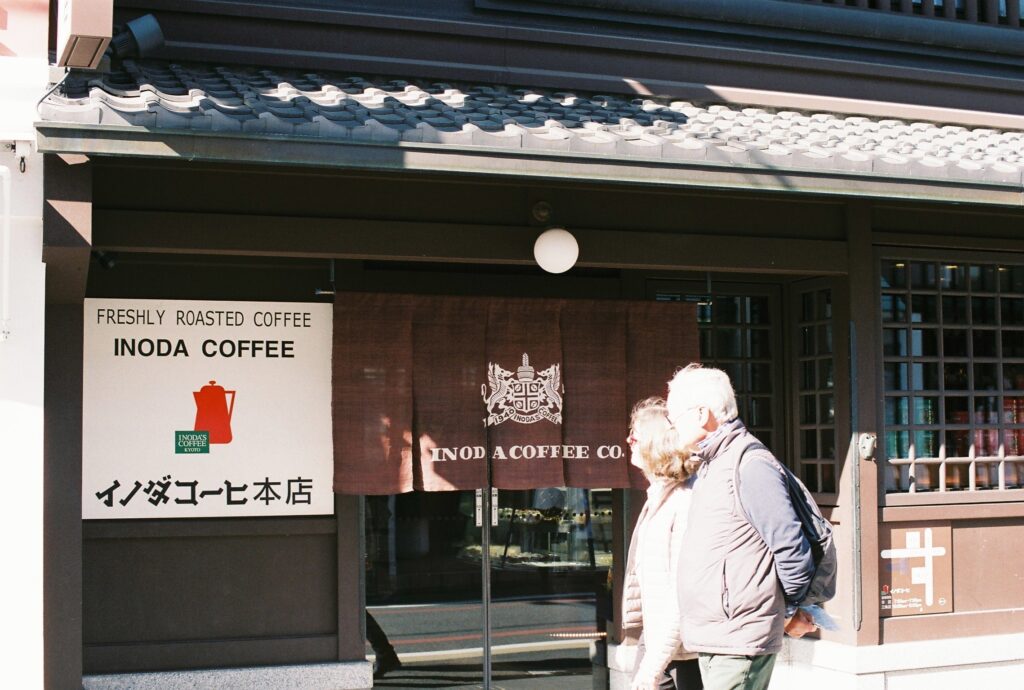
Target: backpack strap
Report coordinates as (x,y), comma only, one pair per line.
(754,445)
(797,497)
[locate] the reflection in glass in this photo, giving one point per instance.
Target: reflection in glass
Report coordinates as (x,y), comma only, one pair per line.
(828,412)
(926,444)
(706,351)
(983,311)
(760,411)
(958,443)
(894,274)
(897,411)
(1013,343)
(735,372)
(759,312)
(727,310)
(953,277)
(923,309)
(809,443)
(922,275)
(1013,376)
(808,369)
(1013,410)
(897,444)
(760,343)
(760,378)
(954,309)
(808,409)
(983,278)
(986,377)
(924,342)
(895,375)
(894,342)
(1012,309)
(807,341)
(729,343)
(828,443)
(1011,278)
(925,410)
(824,304)
(807,306)
(956,409)
(825,373)
(954,342)
(986,409)
(926,477)
(825,339)
(985,343)
(894,309)
(925,376)
(810,476)
(828,478)
(955,376)
(1012,474)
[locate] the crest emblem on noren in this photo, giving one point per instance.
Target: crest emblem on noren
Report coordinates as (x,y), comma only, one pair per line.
(525,396)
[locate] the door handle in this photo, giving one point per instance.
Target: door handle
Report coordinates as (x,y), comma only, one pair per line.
(479,507)
(494,507)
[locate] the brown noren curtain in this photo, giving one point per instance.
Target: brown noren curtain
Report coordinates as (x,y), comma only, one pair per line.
(428,388)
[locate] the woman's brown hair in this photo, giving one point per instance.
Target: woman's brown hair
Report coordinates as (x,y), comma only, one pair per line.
(658,443)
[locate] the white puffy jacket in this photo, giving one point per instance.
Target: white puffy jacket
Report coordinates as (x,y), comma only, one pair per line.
(649,595)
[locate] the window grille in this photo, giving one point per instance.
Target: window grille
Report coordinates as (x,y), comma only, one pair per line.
(953,375)
(737,336)
(816,391)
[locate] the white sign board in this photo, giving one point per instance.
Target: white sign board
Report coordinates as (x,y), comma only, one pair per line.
(206,409)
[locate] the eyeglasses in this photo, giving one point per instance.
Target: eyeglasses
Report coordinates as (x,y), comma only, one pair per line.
(672,422)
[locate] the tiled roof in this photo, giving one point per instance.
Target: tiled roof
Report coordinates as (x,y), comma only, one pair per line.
(205,98)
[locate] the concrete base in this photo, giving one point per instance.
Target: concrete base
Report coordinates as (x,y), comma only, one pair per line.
(340,676)
(621,662)
(994,661)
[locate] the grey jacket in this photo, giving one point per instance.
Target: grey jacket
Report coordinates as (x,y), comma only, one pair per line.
(731,597)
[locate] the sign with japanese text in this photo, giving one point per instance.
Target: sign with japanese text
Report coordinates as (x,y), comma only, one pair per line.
(916,570)
(206,409)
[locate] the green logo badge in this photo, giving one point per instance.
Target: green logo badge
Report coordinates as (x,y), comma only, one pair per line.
(191,442)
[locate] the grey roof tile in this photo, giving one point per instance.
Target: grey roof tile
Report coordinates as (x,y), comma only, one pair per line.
(173,96)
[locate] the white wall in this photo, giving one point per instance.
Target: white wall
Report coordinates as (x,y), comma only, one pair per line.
(21,383)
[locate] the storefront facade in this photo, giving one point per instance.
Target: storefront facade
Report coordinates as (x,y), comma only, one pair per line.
(866,305)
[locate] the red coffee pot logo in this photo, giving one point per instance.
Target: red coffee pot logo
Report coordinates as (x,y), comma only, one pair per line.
(213,413)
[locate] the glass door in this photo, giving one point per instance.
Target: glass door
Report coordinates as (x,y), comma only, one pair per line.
(461,593)
(424,591)
(550,555)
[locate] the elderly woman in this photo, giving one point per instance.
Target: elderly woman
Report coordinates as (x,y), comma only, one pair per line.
(649,599)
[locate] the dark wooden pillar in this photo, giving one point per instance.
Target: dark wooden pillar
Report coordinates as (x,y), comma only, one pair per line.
(351,603)
(67,239)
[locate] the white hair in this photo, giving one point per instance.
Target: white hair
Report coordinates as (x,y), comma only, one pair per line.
(696,385)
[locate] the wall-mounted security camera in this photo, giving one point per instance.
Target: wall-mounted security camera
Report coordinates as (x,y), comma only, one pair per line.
(138,38)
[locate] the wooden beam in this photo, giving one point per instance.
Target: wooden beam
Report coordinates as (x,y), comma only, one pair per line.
(232,234)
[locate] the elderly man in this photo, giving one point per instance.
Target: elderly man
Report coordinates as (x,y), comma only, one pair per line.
(745,562)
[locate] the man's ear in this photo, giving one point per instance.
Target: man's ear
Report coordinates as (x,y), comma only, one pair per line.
(708,421)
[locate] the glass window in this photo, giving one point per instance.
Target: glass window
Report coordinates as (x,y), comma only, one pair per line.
(953,375)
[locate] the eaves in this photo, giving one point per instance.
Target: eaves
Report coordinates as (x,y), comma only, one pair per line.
(511,164)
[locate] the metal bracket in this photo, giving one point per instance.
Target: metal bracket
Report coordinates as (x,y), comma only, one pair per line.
(479,507)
